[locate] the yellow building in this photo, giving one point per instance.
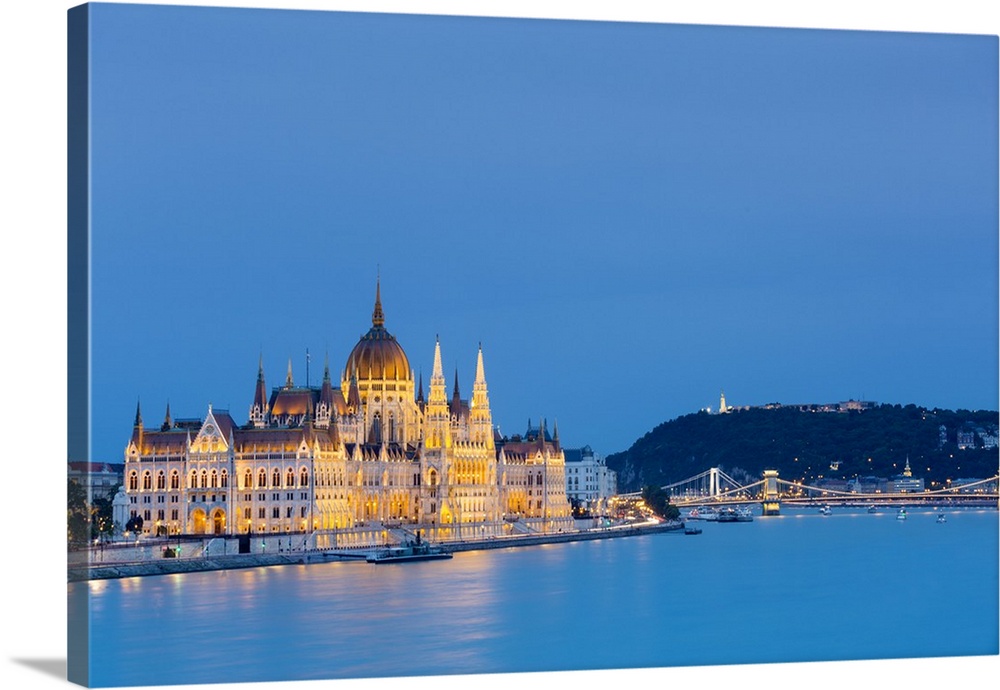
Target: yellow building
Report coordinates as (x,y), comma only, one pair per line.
(369,461)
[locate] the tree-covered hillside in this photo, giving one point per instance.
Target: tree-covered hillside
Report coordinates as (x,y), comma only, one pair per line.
(804,445)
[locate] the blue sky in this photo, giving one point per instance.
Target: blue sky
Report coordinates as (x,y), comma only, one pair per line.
(629,217)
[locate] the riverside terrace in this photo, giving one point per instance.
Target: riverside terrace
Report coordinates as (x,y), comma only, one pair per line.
(154,556)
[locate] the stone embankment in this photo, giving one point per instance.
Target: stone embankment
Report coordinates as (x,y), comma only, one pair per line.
(166,566)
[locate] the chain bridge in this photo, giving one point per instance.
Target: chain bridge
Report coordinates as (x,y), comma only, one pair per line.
(715,487)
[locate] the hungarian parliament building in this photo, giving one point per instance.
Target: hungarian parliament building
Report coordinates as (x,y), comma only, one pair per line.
(348,461)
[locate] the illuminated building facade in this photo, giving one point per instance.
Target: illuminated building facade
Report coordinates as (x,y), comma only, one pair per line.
(370,460)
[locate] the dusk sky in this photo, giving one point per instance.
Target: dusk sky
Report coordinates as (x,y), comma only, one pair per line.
(629,217)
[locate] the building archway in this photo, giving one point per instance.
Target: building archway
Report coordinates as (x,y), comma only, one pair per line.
(199,521)
(219,521)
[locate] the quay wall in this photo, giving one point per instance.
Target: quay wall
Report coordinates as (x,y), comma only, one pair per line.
(78,572)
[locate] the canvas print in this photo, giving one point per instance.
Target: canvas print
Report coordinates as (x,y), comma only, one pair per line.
(414,345)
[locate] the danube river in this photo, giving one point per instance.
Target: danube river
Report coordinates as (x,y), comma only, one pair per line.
(796,587)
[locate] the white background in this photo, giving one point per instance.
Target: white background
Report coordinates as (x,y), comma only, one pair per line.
(33,375)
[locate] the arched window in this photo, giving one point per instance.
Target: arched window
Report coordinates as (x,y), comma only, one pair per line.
(147,481)
(161,480)
(175,480)
(214,480)
(204,479)
(225,479)
(247,479)
(304,477)
(193,484)
(262,479)
(290,478)
(133,482)
(276,478)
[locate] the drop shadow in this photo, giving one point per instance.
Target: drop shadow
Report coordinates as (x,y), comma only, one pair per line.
(50,667)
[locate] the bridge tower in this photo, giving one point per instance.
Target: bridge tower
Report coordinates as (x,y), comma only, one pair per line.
(772,500)
(713,482)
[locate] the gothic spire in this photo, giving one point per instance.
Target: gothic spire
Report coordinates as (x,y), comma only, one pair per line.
(258,410)
(378,318)
(480,371)
(138,414)
(288,378)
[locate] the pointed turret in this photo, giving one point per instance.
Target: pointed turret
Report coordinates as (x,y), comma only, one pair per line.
(324,410)
(137,432)
(289,383)
(420,390)
(437,430)
(437,394)
(168,422)
(455,407)
(259,408)
(378,318)
(326,390)
(353,394)
(479,407)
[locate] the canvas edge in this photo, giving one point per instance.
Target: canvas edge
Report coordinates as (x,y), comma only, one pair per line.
(78,303)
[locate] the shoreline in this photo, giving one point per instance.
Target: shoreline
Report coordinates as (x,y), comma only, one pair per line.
(167,566)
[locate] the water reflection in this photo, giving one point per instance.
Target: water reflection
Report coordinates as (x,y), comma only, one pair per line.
(535,609)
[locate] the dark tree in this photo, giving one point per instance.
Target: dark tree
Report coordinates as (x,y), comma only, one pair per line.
(77,514)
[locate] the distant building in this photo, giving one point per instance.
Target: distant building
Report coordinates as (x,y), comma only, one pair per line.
(942,436)
(987,437)
(868,485)
(589,481)
(968,485)
(832,486)
(906,482)
(97,478)
(966,438)
(842,407)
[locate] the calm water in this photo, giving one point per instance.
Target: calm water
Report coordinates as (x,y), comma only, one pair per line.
(799,587)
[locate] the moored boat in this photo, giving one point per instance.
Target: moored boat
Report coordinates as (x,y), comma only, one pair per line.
(730,514)
(692,530)
(407,553)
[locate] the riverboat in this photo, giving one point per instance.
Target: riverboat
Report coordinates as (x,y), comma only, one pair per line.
(730,514)
(408,553)
(872,509)
(692,530)
(901,515)
(941,518)
(825,510)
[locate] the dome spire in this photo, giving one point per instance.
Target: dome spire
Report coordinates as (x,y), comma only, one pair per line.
(378,318)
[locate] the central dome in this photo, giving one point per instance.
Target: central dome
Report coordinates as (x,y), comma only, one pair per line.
(377,356)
